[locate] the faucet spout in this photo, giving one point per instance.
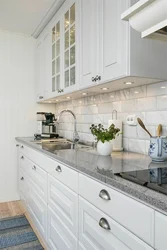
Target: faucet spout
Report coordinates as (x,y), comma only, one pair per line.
(75,134)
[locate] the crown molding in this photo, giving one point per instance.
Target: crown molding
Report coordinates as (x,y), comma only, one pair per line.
(47,18)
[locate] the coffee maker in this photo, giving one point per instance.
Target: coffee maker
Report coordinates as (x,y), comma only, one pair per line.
(46,125)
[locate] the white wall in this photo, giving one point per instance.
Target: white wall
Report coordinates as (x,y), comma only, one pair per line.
(17,105)
(148,102)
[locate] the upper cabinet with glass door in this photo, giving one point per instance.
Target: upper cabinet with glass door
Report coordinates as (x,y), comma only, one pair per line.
(56,58)
(69,49)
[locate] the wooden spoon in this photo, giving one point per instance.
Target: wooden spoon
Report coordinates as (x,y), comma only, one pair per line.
(159,130)
(143,126)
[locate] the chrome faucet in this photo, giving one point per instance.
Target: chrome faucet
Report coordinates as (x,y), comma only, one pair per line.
(75,135)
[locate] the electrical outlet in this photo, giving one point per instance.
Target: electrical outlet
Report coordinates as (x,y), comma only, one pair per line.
(131,120)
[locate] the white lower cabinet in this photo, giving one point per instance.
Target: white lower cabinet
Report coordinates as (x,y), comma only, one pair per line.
(160,231)
(59,237)
(38,211)
(74,212)
(64,203)
(97,231)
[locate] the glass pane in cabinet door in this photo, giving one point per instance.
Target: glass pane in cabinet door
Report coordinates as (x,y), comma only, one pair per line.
(72,14)
(72,55)
(67,78)
(57,47)
(66,20)
(72,76)
(53,35)
(53,68)
(72,35)
(66,59)
(53,51)
(57,82)
(58,65)
(66,40)
(53,84)
(57,30)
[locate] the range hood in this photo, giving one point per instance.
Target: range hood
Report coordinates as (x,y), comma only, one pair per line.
(149,17)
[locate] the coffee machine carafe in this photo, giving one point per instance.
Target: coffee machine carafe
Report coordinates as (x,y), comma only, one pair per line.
(46,127)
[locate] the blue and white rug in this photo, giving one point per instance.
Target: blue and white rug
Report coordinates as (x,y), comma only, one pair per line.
(17,234)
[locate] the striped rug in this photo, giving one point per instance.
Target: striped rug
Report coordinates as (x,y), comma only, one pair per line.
(17,234)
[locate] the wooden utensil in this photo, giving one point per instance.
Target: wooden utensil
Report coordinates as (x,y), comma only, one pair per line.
(143,126)
(159,130)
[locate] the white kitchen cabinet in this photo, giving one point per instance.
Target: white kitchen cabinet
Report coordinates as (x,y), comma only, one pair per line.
(59,238)
(43,61)
(89,33)
(113,37)
(58,68)
(111,50)
(38,210)
(64,203)
(97,231)
(160,231)
(70,46)
(123,209)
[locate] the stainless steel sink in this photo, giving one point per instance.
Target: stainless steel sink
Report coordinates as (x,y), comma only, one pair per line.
(54,146)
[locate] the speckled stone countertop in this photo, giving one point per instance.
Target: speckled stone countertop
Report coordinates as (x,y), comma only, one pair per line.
(105,168)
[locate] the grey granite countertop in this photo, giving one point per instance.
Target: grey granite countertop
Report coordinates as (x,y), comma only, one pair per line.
(105,168)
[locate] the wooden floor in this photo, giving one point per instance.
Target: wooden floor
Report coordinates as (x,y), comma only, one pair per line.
(9,209)
(15,208)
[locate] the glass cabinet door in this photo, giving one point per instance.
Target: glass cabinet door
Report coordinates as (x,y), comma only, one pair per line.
(56,58)
(69,47)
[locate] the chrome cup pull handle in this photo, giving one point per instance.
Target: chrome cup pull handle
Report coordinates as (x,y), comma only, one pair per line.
(58,169)
(104,195)
(104,224)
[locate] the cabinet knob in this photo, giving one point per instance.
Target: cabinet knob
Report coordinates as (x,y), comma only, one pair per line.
(22,179)
(97,78)
(60,90)
(58,169)
(34,168)
(22,157)
(17,145)
(104,224)
(22,146)
(104,195)
(40,97)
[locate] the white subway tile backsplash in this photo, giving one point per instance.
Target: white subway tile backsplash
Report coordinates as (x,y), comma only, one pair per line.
(162,102)
(154,118)
(117,106)
(147,102)
(129,106)
(138,146)
(105,108)
(129,131)
(157,89)
(141,134)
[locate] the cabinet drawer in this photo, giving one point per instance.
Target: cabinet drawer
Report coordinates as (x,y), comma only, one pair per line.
(133,215)
(59,238)
(65,175)
(110,235)
(160,231)
(38,212)
(36,175)
(64,202)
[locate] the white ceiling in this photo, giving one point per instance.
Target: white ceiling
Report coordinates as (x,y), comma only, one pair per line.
(23,16)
